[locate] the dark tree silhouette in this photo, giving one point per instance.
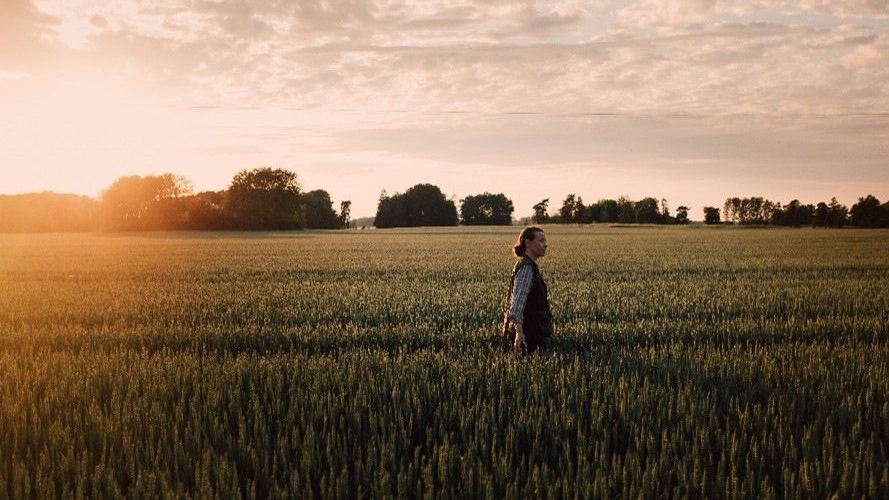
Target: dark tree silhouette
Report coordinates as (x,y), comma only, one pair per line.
(265,198)
(838,213)
(821,217)
(317,210)
(486,209)
(566,213)
(580,211)
(421,205)
(540,215)
(647,211)
(793,214)
(607,211)
(681,215)
(867,212)
(711,215)
(345,218)
(626,210)
(884,208)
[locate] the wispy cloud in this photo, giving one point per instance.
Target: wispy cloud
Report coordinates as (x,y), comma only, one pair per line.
(26,34)
(503,81)
(669,12)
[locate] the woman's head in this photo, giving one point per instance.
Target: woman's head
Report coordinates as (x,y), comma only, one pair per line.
(531,242)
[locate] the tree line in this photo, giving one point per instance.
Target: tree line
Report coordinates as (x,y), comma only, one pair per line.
(426,205)
(623,210)
(273,199)
(868,212)
(257,199)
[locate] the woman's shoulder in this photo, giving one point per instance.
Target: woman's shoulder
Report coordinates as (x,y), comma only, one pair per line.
(524,262)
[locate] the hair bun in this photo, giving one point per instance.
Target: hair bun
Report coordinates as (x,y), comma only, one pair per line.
(529,233)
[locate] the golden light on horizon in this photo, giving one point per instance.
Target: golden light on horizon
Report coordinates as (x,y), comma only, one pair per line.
(679,99)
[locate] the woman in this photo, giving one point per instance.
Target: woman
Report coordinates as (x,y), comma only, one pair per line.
(528,321)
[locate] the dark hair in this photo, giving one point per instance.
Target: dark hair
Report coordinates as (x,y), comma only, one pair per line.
(529,233)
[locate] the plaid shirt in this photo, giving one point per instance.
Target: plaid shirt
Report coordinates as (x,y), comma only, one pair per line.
(519,294)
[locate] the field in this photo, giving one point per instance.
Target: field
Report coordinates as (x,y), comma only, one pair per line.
(686,363)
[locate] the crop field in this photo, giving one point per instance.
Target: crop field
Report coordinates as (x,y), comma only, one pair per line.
(687,362)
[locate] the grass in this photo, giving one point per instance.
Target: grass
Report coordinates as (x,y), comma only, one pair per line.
(365,364)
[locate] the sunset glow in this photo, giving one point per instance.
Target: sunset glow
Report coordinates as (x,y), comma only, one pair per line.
(691,100)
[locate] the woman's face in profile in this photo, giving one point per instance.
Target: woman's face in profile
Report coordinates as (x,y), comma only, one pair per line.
(538,245)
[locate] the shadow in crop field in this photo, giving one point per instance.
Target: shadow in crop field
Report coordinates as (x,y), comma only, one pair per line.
(710,378)
(794,412)
(310,340)
(729,400)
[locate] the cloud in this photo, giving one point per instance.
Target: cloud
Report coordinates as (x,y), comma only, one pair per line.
(26,34)
(667,89)
(753,68)
(488,57)
(693,160)
(21,16)
(659,12)
(648,13)
(844,8)
(99,22)
(811,147)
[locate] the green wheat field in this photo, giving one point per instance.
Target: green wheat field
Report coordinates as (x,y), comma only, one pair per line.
(687,362)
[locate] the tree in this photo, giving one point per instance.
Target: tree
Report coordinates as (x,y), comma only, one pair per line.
(800,215)
(730,209)
(389,211)
(486,209)
(206,210)
(566,213)
(822,215)
(47,211)
(837,213)
(711,215)
(579,213)
(345,209)
(681,214)
(427,206)
(540,215)
(421,205)
(867,212)
(265,198)
(884,211)
(665,217)
(647,211)
(590,213)
(756,210)
(793,214)
(152,202)
(317,210)
(626,210)
(607,211)
(747,211)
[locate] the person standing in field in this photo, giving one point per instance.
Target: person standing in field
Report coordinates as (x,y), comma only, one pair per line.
(528,322)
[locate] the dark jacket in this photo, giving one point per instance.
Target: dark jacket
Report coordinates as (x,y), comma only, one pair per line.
(537,323)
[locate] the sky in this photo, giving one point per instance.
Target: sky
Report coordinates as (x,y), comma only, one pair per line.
(689,100)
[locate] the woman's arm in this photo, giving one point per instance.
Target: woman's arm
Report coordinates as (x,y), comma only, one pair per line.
(520,288)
